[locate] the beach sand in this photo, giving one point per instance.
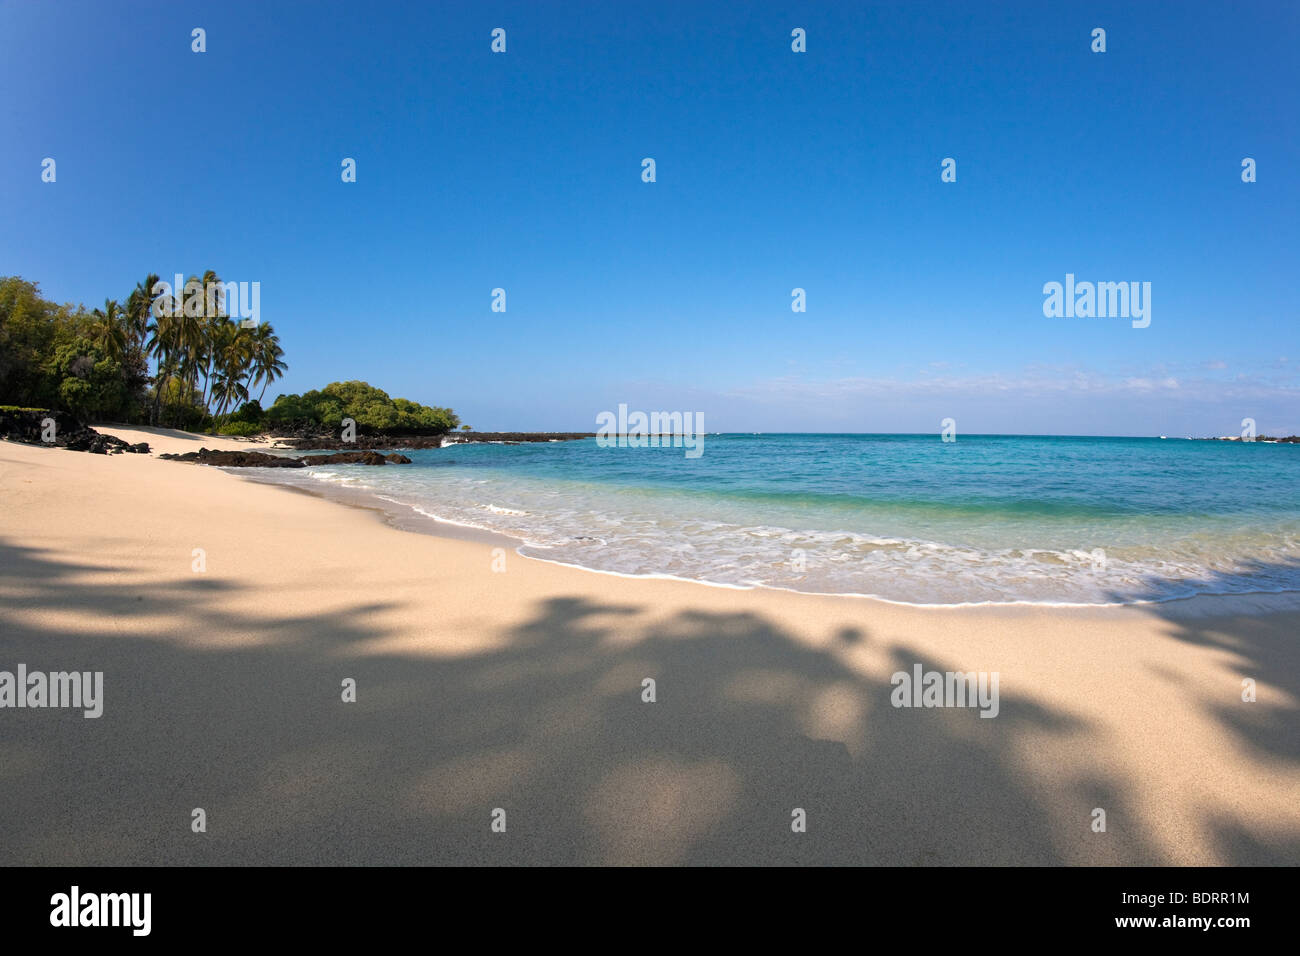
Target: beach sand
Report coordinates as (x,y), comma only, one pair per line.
(522,690)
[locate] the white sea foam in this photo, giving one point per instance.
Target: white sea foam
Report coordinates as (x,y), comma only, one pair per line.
(630,533)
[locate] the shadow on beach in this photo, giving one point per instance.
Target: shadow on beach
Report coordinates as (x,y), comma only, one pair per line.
(748,725)
(1270,728)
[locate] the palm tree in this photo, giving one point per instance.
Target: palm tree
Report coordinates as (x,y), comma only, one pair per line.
(174,340)
(108,330)
(229,392)
(267,364)
(232,354)
(139,309)
(208,332)
(212,336)
(190,331)
(164,346)
(193,342)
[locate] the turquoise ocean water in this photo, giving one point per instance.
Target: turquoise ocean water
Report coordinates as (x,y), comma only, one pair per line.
(907,518)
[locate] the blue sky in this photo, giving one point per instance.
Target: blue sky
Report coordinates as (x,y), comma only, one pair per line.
(775,170)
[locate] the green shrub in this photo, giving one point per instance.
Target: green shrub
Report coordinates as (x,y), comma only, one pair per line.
(182,407)
(240,429)
(370,407)
(249,412)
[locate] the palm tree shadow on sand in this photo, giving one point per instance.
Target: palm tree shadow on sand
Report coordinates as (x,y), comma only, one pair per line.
(1270,655)
(748,725)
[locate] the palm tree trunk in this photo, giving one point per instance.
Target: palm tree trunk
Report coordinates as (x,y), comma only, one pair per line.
(160,382)
(207,382)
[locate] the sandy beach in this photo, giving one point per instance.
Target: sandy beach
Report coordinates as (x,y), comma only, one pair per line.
(521,689)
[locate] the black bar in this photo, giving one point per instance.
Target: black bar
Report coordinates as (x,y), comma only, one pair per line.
(333,905)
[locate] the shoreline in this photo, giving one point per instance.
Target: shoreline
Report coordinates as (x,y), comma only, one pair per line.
(355,498)
(1200,603)
(410,519)
(523,690)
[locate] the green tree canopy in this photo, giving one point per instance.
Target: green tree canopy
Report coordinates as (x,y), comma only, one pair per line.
(371,408)
(63,357)
(96,365)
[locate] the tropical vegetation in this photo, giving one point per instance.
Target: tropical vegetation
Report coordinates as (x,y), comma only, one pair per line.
(157,359)
(369,407)
(129,361)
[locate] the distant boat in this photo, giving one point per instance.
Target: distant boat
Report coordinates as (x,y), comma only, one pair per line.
(1162,437)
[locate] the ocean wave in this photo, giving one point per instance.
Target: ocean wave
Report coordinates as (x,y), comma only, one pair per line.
(799,543)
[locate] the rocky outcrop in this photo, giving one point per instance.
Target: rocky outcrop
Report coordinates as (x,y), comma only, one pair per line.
(31,426)
(95,443)
(236,459)
(515,438)
(305,431)
(430,441)
(332,442)
(258,459)
(355,458)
